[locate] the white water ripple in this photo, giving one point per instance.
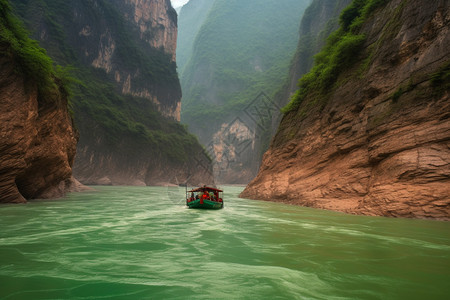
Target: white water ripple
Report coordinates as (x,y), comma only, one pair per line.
(132,243)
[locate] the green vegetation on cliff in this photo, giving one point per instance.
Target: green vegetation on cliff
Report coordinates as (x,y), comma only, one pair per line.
(32,60)
(75,33)
(124,118)
(319,21)
(56,16)
(339,54)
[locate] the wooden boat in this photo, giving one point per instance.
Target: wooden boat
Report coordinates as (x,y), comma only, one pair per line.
(204,197)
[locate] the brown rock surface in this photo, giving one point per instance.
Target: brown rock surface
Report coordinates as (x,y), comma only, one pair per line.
(366,152)
(37,141)
(158,18)
(156,22)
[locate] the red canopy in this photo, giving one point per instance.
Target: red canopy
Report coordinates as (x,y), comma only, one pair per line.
(205,188)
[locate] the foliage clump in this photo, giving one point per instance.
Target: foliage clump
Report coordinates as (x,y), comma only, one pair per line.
(441,79)
(340,53)
(397,94)
(32,60)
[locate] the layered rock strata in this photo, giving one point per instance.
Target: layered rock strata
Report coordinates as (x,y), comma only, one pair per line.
(37,140)
(381,143)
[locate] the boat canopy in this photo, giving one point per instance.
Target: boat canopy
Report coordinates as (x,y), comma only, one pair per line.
(204,188)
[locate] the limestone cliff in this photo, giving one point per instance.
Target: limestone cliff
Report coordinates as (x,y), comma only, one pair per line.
(127,102)
(157,23)
(134,42)
(37,137)
(38,142)
(149,24)
(377,141)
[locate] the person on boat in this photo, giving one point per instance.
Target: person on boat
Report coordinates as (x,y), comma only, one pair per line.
(205,195)
(211,196)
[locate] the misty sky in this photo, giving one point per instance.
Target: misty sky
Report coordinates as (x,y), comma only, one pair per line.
(178,3)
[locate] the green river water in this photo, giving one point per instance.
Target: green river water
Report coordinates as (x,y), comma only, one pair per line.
(143,243)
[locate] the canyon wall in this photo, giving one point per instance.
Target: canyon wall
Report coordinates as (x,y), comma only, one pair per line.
(38,142)
(127,95)
(37,136)
(377,140)
(139,51)
(134,42)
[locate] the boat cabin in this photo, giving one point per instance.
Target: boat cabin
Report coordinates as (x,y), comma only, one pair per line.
(204,197)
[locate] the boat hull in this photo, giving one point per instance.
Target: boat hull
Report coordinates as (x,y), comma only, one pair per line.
(205,204)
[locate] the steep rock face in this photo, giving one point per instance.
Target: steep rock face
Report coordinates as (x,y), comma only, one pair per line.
(319,20)
(127,106)
(233,144)
(133,163)
(37,140)
(380,145)
(149,24)
(157,23)
(133,41)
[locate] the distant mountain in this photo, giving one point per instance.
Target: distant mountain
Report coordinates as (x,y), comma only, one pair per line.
(231,55)
(191,18)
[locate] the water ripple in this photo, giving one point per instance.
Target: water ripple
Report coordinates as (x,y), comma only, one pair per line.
(131,243)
